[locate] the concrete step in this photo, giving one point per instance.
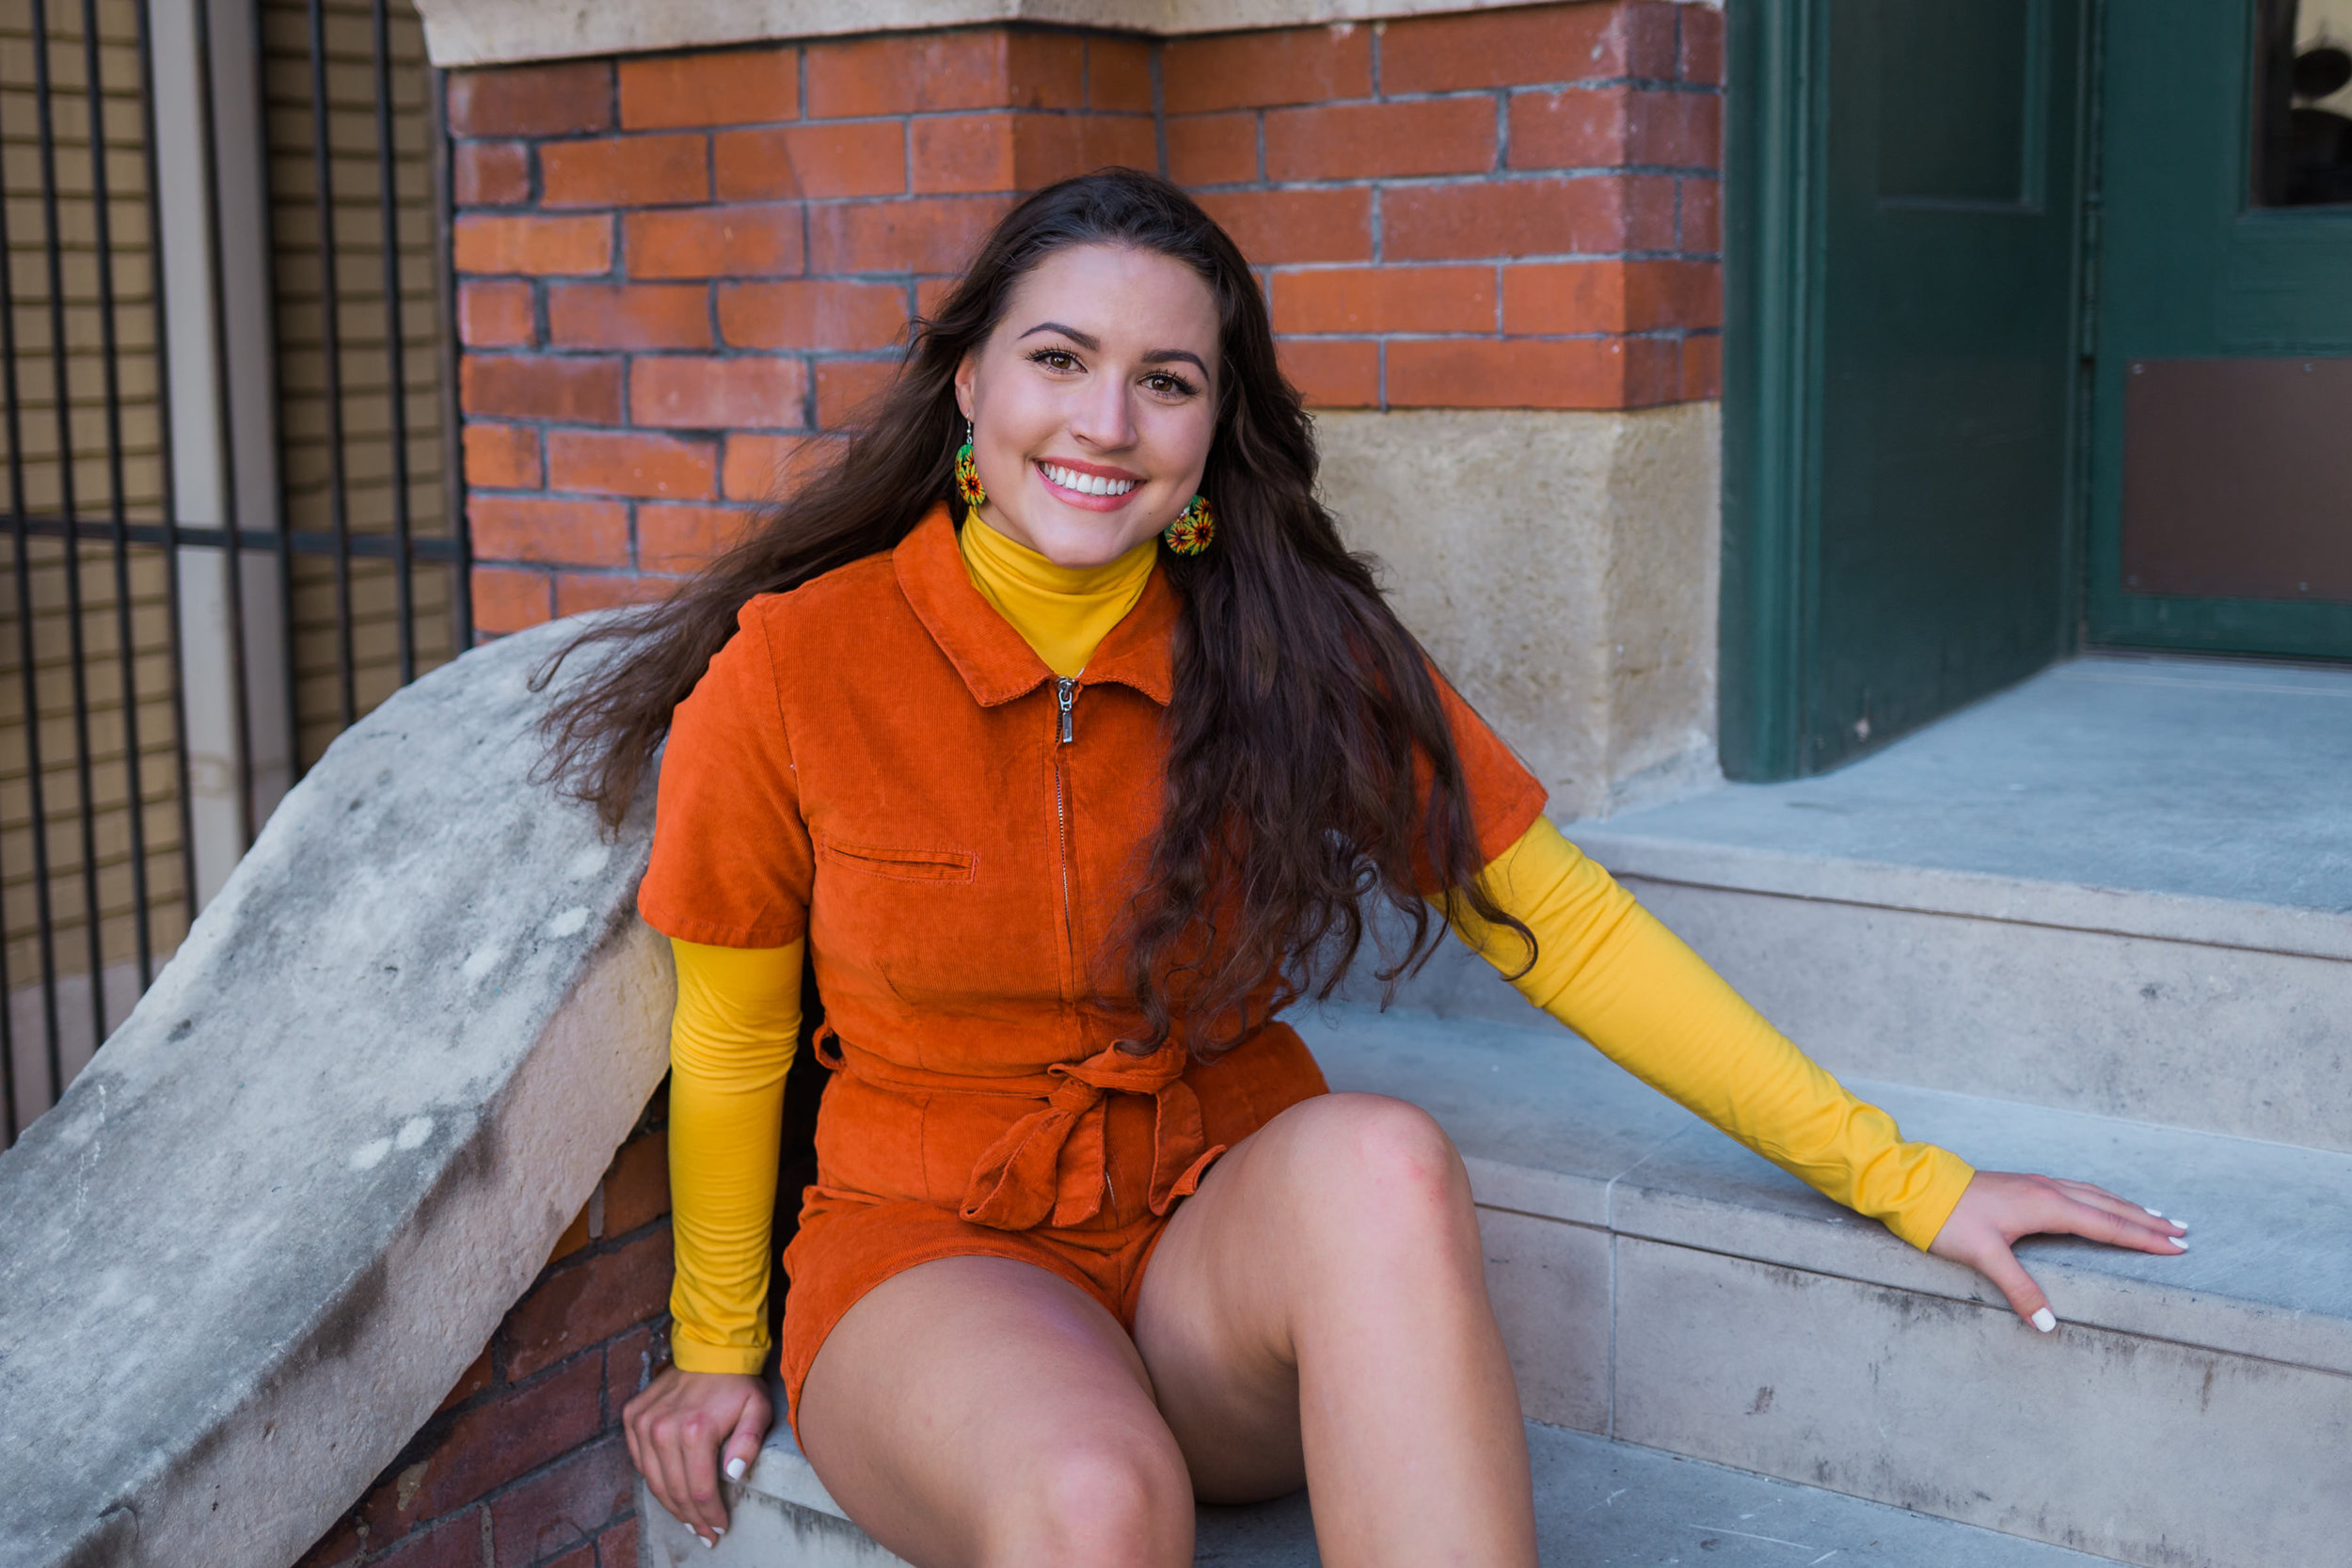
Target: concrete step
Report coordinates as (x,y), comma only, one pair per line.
(1661,1285)
(2123,887)
(1598,1503)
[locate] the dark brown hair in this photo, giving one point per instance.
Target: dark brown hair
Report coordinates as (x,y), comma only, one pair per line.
(1301,703)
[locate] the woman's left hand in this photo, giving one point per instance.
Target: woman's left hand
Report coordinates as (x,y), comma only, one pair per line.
(2001,1205)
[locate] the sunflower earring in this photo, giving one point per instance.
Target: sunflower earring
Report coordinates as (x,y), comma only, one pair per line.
(968,472)
(1194,529)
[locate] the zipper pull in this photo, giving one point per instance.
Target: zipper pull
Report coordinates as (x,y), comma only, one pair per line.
(1065,693)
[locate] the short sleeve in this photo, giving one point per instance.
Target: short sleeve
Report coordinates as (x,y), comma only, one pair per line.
(731,859)
(1504,798)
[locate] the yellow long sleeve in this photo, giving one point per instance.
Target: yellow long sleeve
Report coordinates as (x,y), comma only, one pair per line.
(1608,970)
(731,1042)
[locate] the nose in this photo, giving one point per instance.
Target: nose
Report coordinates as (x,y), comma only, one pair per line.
(1102,416)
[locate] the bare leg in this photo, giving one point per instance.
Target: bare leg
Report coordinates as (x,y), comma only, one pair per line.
(1319,1312)
(980,1412)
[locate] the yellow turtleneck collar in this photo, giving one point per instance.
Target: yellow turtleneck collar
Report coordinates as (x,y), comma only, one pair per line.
(1061,611)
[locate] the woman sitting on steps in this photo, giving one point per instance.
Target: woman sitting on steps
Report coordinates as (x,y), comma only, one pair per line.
(1054,723)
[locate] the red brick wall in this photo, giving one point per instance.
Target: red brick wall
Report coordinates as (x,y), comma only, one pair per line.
(674,269)
(524,1463)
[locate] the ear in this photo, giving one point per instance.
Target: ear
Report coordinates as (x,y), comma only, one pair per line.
(967,371)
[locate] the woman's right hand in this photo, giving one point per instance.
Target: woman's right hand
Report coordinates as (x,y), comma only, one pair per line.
(684,1429)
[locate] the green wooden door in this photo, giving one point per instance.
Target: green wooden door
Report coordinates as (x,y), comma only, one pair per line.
(1903,361)
(2221,430)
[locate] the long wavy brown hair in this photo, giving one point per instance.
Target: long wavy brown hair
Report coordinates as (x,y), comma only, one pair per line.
(1301,703)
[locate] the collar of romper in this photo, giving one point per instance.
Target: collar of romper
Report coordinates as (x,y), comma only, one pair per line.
(996,663)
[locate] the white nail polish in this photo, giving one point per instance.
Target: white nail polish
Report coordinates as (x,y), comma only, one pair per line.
(735,1468)
(718,1529)
(2178,1243)
(2045,1320)
(2158,1213)
(708,1542)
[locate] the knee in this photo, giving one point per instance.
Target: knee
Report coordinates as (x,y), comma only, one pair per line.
(1100,1498)
(1387,1157)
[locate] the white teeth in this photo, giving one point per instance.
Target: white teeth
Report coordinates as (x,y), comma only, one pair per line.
(1085,484)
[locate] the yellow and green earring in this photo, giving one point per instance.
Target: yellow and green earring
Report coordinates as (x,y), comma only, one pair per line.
(1194,530)
(968,472)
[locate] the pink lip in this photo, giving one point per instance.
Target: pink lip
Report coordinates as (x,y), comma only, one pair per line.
(1078,498)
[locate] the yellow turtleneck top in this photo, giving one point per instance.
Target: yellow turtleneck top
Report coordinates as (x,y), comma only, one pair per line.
(1605,967)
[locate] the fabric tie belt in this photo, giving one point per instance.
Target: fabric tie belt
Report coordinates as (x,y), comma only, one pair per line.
(1053,1163)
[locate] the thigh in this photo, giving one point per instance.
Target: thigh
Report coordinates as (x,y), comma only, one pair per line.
(982,1411)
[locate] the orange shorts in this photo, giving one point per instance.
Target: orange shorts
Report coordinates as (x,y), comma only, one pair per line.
(893,1165)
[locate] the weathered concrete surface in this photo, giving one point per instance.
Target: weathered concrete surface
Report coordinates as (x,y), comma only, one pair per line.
(252,1247)
(1597,1502)
(1563,567)
(493,31)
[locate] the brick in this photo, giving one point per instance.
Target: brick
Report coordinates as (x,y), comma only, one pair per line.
(574,1234)
(490,173)
(509,599)
(565,1506)
(858,158)
(1577,372)
(501,456)
(592,1300)
(1612,296)
(1701,229)
(965,154)
(532,100)
(929,234)
(1702,58)
(628,316)
(577,593)
(1332,373)
(631,462)
(490,1444)
(738,87)
(617,1546)
(1238,71)
(1702,366)
(718,241)
(807,313)
(637,1188)
(1575,128)
(452,1544)
(1598,215)
(628,1367)
(1681,129)
(495,315)
(1276,226)
(541,386)
(845,386)
(1359,141)
(680,539)
(475,1378)
(1212,150)
(548,531)
(757,468)
(699,393)
(931,294)
(538,247)
(1384,299)
(340,1547)
(625,171)
(1119,74)
(1519,47)
(987,69)
(585,1557)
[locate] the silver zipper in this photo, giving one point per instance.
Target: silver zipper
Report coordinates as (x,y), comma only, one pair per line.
(1065,694)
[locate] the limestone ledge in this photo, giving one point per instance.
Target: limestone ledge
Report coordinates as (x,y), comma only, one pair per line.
(501,32)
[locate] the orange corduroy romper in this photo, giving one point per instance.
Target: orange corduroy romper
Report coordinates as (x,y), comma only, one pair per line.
(877,761)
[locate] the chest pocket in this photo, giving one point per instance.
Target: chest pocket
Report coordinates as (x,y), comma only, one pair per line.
(898,865)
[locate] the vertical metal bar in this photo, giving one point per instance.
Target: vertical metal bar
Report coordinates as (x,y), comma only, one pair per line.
(339,500)
(395,345)
(453,417)
(61,384)
(43,929)
(232,524)
(171,483)
(102,197)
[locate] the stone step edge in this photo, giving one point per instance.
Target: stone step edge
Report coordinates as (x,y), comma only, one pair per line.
(2289,929)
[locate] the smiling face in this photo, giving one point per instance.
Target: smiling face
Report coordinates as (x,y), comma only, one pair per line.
(1093,401)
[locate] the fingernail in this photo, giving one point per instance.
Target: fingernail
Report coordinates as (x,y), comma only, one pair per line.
(718,1529)
(735,1468)
(709,1542)
(2045,1320)
(2178,1243)
(2158,1213)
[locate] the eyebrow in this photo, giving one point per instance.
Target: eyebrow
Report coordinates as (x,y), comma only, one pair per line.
(1090,344)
